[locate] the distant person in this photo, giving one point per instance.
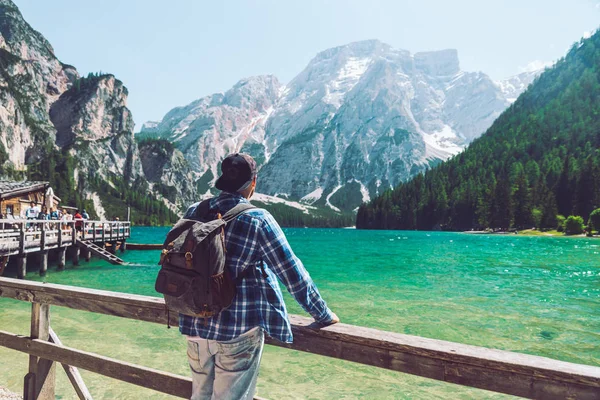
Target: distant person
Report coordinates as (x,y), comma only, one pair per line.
(43,214)
(78,221)
(32,211)
(54,214)
(224,351)
(85,215)
(66,217)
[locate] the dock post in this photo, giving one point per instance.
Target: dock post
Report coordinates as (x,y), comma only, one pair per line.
(113,247)
(62,258)
(123,246)
(21,266)
(43,262)
(75,254)
(87,254)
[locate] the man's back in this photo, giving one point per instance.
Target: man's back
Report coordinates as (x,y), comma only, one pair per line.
(224,351)
(257,255)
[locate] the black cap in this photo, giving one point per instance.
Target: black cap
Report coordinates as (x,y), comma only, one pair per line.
(236,170)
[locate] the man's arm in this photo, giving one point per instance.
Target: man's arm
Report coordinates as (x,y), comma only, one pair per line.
(291,272)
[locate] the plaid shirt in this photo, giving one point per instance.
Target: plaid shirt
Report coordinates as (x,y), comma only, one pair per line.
(255,241)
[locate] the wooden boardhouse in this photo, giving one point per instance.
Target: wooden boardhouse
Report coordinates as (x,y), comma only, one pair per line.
(16,197)
(22,237)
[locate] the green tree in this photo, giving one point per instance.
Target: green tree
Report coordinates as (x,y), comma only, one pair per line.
(594,221)
(574,225)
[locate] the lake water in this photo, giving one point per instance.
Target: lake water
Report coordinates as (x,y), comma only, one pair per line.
(534,295)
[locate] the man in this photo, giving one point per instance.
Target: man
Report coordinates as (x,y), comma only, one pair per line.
(32,211)
(78,222)
(224,351)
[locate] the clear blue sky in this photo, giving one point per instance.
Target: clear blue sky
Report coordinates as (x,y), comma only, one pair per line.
(169,53)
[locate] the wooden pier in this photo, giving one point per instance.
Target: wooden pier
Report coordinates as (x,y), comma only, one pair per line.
(21,238)
(500,371)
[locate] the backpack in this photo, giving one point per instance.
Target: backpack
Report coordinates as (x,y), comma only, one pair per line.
(193,277)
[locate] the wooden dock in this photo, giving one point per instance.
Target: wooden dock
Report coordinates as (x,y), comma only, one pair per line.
(500,371)
(21,238)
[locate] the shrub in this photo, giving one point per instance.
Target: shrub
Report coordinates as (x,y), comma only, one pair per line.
(574,225)
(594,221)
(560,223)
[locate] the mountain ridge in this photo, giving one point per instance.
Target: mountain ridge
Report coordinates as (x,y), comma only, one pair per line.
(335,116)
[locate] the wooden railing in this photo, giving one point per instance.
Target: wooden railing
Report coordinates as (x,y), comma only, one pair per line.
(496,370)
(18,236)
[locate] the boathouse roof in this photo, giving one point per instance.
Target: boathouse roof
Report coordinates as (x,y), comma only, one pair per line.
(10,189)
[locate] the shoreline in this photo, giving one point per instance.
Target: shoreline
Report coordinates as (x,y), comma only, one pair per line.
(532,232)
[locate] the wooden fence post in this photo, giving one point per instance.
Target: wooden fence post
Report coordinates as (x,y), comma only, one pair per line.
(59,224)
(43,237)
(22,238)
(41,379)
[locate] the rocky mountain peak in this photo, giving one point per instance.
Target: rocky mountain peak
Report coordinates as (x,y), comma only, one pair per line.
(438,63)
(258,92)
(357,120)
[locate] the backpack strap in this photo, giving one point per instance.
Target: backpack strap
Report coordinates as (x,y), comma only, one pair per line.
(237,211)
(201,209)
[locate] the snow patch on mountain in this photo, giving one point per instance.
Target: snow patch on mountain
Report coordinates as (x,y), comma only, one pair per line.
(264,198)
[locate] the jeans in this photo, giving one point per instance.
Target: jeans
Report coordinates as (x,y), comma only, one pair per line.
(226,370)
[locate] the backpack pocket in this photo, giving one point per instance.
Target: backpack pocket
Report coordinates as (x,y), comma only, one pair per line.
(172,283)
(181,288)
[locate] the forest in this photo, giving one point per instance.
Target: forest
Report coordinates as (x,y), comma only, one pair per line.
(538,163)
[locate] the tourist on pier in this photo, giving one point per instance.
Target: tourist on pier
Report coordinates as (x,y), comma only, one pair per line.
(224,351)
(32,211)
(43,214)
(85,215)
(66,217)
(78,221)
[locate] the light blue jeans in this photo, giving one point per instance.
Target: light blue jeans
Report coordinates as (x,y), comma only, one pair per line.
(226,370)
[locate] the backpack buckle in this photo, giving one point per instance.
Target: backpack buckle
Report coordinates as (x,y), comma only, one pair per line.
(188,260)
(163,254)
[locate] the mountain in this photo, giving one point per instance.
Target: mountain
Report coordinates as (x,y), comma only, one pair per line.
(359,119)
(513,86)
(537,162)
(75,132)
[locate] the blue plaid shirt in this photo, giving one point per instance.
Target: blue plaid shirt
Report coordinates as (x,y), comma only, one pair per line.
(254,240)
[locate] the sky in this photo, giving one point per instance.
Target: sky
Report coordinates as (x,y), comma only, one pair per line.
(169,53)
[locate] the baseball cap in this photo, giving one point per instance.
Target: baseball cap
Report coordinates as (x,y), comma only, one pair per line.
(237,170)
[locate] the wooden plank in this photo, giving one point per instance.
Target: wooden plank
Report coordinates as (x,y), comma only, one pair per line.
(144,246)
(41,379)
(451,362)
(160,381)
(72,373)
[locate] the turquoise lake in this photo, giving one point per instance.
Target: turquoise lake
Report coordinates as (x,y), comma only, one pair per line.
(534,295)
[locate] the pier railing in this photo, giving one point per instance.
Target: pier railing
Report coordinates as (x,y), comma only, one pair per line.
(19,236)
(496,370)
